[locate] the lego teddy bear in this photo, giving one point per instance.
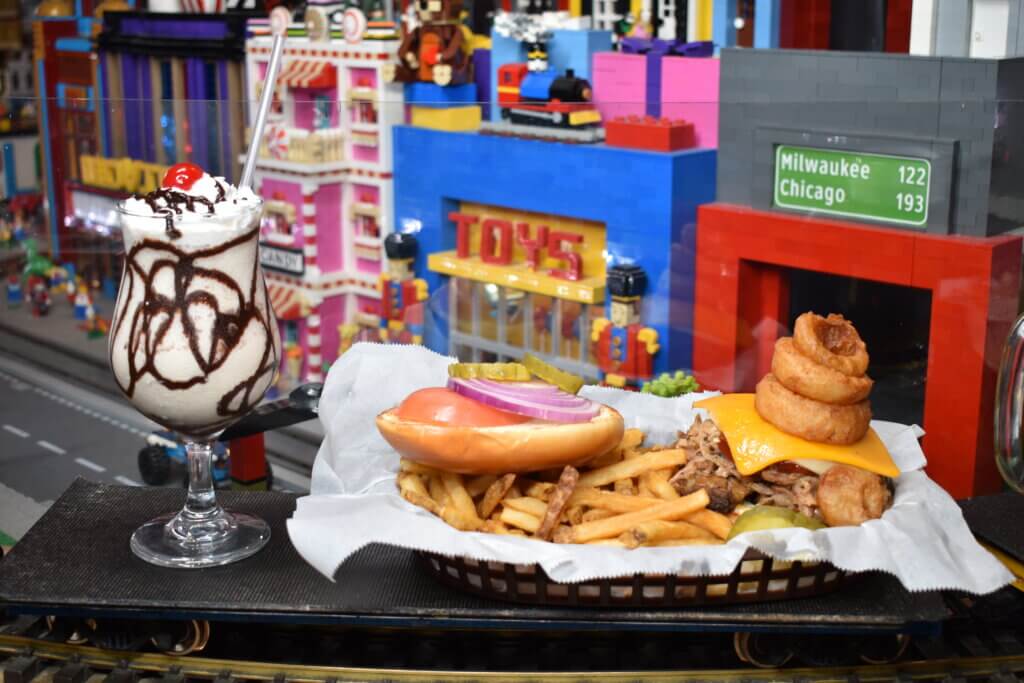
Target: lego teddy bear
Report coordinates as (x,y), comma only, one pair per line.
(436,51)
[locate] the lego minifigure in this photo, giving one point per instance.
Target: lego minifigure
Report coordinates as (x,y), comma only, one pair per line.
(624,348)
(401,293)
(436,51)
(14,296)
(82,303)
(40,295)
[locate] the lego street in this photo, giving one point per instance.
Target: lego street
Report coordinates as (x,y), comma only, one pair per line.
(53,431)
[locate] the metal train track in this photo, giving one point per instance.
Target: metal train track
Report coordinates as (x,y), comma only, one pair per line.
(979,644)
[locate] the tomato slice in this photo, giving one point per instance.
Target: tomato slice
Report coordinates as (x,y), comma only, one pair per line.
(790,467)
(441,406)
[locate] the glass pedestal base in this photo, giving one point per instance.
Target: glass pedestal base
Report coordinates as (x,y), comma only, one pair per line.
(174,540)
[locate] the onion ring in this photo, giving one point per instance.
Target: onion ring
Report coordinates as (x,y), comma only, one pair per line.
(809,419)
(803,376)
(831,341)
(849,496)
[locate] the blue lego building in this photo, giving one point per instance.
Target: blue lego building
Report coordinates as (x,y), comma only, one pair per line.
(639,207)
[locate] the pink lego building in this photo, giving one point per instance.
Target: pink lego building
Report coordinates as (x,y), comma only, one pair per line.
(324,172)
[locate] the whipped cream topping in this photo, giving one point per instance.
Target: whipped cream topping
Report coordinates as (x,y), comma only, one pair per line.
(211,203)
(208,196)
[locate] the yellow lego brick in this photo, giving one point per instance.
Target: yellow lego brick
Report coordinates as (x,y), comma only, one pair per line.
(585,291)
(451,119)
(481,41)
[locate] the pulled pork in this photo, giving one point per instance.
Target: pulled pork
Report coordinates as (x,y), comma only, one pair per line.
(708,468)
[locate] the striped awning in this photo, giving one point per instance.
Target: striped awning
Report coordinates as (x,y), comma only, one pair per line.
(306,73)
(287,302)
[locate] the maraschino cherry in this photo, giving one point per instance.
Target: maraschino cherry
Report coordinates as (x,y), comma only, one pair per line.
(182,176)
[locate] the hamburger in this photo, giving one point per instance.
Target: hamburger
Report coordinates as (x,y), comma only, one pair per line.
(497,419)
(739,457)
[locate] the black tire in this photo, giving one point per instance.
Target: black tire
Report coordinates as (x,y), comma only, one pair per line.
(270,477)
(154,466)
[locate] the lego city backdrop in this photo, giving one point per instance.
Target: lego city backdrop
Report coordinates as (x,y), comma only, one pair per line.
(644,193)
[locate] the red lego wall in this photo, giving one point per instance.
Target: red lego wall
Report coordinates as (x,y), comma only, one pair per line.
(897,26)
(804,24)
(742,300)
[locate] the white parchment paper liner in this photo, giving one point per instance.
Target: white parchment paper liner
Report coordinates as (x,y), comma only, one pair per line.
(923,539)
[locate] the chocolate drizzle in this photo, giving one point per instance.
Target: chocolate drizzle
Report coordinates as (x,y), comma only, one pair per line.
(151,319)
(175,202)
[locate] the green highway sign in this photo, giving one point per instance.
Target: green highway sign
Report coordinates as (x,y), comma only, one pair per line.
(879,187)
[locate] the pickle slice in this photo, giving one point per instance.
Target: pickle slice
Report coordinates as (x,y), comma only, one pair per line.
(502,372)
(764,517)
(566,381)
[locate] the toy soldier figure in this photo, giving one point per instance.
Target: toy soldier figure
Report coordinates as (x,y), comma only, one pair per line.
(401,293)
(625,348)
(14,296)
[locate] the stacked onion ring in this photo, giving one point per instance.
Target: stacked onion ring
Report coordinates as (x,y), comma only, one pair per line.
(818,387)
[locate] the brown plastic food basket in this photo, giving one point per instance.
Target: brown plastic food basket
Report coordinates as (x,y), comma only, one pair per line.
(757,578)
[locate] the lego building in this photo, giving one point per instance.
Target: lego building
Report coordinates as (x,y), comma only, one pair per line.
(877,185)
(520,262)
(325,173)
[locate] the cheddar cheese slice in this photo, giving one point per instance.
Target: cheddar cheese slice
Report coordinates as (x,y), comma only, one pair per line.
(756,444)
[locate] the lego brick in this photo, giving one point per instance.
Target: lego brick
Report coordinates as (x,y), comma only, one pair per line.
(740,250)
(450,119)
(723,29)
(652,93)
(905,102)
(620,84)
(689,91)
(431,95)
(567,49)
(952,33)
(658,135)
(647,203)
(767,14)
(482,78)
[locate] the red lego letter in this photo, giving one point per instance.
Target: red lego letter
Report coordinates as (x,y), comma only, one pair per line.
(504,230)
(462,223)
(575,270)
(532,246)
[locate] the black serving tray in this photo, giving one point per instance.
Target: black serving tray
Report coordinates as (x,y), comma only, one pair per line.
(76,561)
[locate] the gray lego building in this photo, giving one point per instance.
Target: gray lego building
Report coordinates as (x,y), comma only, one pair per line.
(964,116)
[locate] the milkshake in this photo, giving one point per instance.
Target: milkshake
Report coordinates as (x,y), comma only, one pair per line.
(193,342)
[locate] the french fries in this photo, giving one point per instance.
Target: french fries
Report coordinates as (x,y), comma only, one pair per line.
(461,503)
(494,494)
(653,460)
(658,531)
(559,501)
(621,499)
(519,519)
(530,506)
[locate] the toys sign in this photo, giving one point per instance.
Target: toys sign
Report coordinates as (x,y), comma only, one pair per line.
(556,256)
(881,187)
(497,236)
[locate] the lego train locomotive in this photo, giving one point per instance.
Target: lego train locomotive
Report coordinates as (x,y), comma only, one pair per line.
(545,98)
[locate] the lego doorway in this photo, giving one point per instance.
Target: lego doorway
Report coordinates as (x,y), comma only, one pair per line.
(892,320)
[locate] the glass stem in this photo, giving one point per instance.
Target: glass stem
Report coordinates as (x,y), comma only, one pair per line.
(201,502)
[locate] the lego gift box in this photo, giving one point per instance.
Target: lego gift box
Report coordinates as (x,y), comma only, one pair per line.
(922,539)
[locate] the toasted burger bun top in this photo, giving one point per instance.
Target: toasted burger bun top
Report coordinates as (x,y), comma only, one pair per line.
(525,447)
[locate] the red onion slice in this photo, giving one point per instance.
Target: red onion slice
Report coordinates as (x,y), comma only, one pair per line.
(555,406)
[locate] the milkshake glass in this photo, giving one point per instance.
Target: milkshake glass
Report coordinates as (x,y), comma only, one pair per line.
(194,345)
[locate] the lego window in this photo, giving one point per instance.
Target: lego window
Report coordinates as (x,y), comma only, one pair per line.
(167,143)
(278,225)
